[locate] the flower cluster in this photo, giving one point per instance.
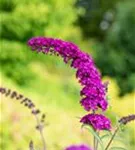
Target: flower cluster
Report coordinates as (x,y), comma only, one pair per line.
(94,91)
(97,121)
(78,147)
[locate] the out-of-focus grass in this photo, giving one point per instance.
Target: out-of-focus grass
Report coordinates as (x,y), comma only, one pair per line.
(58,96)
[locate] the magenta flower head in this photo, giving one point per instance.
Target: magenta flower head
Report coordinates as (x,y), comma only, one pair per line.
(97,121)
(78,147)
(94,91)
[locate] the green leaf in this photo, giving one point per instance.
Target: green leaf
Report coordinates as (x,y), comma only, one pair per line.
(105,136)
(117,148)
(108,134)
(122,127)
(95,135)
(118,138)
(115,139)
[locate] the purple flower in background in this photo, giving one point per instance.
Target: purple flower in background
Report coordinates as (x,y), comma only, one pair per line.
(97,121)
(78,147)
(94,91)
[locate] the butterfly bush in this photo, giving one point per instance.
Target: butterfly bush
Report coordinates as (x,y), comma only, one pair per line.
(78,147)
(93,92)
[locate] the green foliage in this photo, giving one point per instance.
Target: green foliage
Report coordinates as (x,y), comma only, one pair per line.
(14,62)
(24,19)
(115,57)
(6,5)
(39,20)
(95,11)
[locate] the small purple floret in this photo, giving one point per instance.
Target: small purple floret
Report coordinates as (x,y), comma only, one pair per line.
(78,147)
(97,121)
(94,91)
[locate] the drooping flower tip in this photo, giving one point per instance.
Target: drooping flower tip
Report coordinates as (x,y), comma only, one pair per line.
(127,119)
(78,147)
(97,121)
(21,98)
(45,45)
(88,75)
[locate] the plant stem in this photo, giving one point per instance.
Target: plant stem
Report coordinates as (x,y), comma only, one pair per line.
(31,146)
(112,138)
(96,145)
(41,132)
(94,140)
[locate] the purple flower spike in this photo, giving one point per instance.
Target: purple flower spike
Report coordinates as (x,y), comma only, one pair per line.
(94,91)
(78,147)
(97,121)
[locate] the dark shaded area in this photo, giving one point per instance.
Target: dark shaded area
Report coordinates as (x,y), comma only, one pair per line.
(112,24)
(95,12)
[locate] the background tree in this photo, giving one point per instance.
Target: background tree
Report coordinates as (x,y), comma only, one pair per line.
(23,19)
(94,12)
(115,56)
(114,31)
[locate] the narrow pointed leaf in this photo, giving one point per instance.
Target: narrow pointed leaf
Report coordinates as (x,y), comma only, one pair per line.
(117,148)
(96,136)
(105,136)
(119,139)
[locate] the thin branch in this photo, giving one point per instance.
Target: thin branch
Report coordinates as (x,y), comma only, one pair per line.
(96,144)
(40,129)
(31,146)
(112,138)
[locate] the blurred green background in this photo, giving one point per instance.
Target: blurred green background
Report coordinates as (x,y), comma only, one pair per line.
(105,29)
